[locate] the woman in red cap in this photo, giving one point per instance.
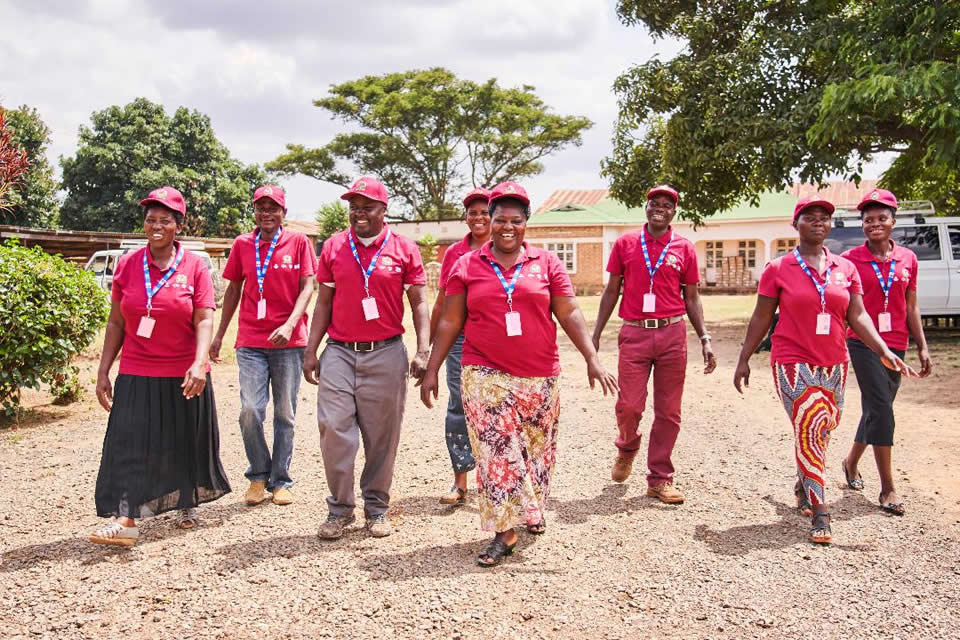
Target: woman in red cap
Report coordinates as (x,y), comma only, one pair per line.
(889,275)
(504,297)
(818,295)
(161,449)
(477,215)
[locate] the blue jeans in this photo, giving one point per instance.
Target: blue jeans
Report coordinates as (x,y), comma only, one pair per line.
(458,442)
(261,370)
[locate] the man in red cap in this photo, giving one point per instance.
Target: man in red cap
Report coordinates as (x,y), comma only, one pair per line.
(271,273)
(476,212)
(657,270)
(362,372)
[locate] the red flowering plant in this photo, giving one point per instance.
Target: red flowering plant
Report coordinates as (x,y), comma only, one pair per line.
(13,162)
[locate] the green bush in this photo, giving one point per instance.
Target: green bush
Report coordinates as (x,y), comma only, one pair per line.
(49,311)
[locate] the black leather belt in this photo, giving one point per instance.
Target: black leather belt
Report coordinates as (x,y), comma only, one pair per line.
(364,347)
(653,323)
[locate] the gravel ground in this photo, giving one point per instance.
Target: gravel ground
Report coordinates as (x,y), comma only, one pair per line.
(733,562)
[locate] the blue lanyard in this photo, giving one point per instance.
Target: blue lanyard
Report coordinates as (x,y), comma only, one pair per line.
(821,289)
(508,287)
(373,263)
(885,286)
(151,290)
(262,269)
(652,270)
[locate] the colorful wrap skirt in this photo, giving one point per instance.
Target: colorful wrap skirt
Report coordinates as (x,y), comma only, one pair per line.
(512,423)
(813,398)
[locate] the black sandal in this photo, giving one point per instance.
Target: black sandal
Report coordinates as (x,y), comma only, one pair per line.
(538,528)
(803,505)
(857,483)
(896,508)
(820,528)
(495,552)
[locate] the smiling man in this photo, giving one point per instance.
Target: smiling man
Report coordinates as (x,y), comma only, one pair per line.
(271,273)
(362,372)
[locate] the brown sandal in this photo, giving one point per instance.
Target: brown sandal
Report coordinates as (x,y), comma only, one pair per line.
(820,530)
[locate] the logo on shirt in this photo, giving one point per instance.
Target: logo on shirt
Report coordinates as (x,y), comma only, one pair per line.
(672,261)
(534,268)
(387,261)
(906,273)
(287,259)
(840,279)
(180,279)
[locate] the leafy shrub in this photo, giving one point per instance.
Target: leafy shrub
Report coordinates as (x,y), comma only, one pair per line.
(49,311)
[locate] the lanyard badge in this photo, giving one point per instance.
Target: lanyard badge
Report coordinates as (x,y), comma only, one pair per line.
(145,330)
(262,269)
(369,303)
(823,318)
(884,323)
(650,299)
(512,317)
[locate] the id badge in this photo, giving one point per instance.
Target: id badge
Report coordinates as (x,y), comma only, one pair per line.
(262,309)
(823,324)
(370,311)
(513,324)
(649,302)
(145,330)
(883,322)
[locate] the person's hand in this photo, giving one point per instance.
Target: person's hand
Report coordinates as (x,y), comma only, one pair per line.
(104,390)
(596,373)
(596,343)
(194,380)
(926,365)
(741,377)
(281,335)
(311,367)
(429,386)
(893,362)
(215,345)
(709,360)
(418,365)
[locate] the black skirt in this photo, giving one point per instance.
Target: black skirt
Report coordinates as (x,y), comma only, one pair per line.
(161,451)
(878,389)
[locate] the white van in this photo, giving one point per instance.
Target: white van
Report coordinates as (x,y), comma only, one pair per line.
(935,240)
(103,263)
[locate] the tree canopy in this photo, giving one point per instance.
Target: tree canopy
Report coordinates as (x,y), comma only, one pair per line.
(767,92)
(429,135)
(331,219)
(129,150)
(33,200)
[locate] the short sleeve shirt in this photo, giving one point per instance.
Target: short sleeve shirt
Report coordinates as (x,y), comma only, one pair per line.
(795,339)
(450,258)
(172,346)
(293,258)
(542,276)
(679,268)
(398,266)
(904,279)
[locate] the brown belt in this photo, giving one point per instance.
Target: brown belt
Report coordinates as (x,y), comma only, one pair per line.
(653,323)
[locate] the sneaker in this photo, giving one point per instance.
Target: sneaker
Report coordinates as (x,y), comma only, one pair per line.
(665,492)
(379,526)
(622,467)
(282,496)
(256,493)
(334,527)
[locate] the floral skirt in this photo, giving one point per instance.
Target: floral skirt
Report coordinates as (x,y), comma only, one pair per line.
(512,423)
(813,398)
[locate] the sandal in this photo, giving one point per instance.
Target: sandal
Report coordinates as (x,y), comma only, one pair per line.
(187,518)
(803,504)
(116,534)
(896,508)
(820,529)
(857,483)
(494,553)
(456,496)
(538,528)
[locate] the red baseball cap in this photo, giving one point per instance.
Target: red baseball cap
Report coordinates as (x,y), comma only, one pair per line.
(509,190)
(369,188)
(273,192)
(168,197)
(878,196)
(477,194)
(664,189)
(811,201)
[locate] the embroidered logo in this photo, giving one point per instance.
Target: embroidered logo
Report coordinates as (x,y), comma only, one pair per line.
(509,189)
(534,268)
(387,260)
(361,186)
(839,278)
(875,195)
(181,279)
(160,193)
(268,191)
(287,259)
(906,273)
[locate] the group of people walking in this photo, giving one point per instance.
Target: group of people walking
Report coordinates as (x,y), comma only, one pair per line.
(494,326)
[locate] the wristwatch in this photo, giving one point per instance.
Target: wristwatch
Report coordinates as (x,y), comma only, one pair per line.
(705,338)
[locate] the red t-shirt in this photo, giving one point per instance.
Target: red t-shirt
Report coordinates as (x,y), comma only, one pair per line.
(293,258)
(904,278)
(399,265)
(679,268)
(170,349)
(534,353)
(450,258)
(795,339)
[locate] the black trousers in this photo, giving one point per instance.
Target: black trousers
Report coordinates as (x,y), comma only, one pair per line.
(878,389)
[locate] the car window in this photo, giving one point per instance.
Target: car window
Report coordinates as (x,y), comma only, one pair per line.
(954,230)
(844,238)
(923,240)
(98,265)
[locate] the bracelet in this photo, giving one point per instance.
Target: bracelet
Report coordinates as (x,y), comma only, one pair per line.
(705,338)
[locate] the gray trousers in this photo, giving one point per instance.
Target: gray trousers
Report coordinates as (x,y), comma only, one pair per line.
(361,395)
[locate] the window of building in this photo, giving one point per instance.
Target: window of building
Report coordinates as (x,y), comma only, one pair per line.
(567,252)
(714,254)
(748,250)
(783,247)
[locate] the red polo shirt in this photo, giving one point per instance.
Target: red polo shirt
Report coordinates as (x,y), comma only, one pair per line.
(450,258)
(170,350)
(679,268)
(904,278)
(292,259)
(399,265)
(542,276)
(795,339)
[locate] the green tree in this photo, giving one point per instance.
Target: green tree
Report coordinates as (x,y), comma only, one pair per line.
(428,248)
(131,149)
(332,218)
(33,202)
(429,134)
(768,92)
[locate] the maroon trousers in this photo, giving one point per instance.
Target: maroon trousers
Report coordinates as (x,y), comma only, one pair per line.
(664,352)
